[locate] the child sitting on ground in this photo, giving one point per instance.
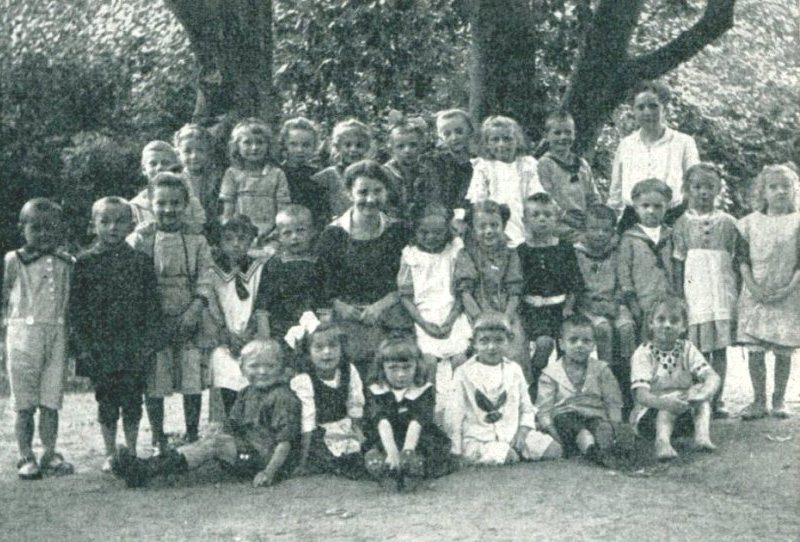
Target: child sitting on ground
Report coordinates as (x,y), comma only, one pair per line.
(259,436)
(601,300)
(566,176)
(292,280)
(332,398)
(672,383)
(114,316)
(491,419)
(235,278)
(551,281)
(161,157)
(404,443)
(579,398)
(35,294)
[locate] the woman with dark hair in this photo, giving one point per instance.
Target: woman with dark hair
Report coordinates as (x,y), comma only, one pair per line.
(362,249)
(652,151)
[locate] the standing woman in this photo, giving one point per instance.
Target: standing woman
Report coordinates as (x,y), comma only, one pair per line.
(652,151)
(361,253)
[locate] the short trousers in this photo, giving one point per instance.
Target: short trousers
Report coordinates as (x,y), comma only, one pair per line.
(36,362)
(541,321)
(182,369)
(119,390)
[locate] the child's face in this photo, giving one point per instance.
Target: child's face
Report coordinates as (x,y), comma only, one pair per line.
(599,233)
(539,218)
(488,229)
(325,351)
(454,133)
(400,373)
(703,189)
(406,147)
(561,136)
(368,195)
(252,147)
(778,193)
(42,230)
(577,342)
(666,326)
(194,154)
(432,233)
(158,161)
(263,370)
(352,146)
(294,235)
(234,244)
(647,110)
(650,208)
(501,144)
(490,345)
(300,146)
(112,223)
(168,204)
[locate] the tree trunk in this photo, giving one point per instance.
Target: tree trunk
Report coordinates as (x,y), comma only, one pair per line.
(232,44)
(503,61)
(605,73)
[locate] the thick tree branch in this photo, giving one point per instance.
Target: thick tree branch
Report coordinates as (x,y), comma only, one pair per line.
(716,20)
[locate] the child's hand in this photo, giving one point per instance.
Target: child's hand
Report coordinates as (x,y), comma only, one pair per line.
(264,478)
(393,459)
(346,311)
(777,295)
(674,403)
(697,394)
(518,442)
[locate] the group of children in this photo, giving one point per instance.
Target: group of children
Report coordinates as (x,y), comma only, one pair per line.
(509,261)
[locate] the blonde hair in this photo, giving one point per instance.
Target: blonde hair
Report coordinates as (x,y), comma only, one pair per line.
(249,125)
(297,123)
(261,347)
(757,200)
(501,122)
(158,145)
(345,127)
(448,114)
(192,131)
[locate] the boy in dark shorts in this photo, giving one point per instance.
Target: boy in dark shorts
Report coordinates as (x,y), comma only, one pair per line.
(114,315)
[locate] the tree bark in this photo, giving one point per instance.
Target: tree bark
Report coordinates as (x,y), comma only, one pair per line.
(503,61)
(232,44)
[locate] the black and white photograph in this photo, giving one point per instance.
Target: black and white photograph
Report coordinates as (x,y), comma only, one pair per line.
(400,270)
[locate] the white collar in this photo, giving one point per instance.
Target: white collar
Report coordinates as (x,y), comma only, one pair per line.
(345,221)
(653,233)
(411,393)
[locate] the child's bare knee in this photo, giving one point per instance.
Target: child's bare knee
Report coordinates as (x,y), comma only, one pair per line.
(553,451)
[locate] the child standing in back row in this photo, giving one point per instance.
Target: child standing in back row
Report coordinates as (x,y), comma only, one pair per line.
(195,147)
(351,142)
(769,306)
(406,143)
(566,176)
(706,242)
(505,173)
(253,186)
(299,139)
(35,296)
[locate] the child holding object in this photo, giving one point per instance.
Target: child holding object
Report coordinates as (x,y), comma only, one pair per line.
(259,437)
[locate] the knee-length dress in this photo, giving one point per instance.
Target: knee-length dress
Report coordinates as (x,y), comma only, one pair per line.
(707,245)
(233,296)
(774,256)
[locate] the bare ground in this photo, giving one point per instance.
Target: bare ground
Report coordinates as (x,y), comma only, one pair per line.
(747,490)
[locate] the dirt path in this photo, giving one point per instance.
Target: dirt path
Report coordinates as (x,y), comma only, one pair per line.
(748,490)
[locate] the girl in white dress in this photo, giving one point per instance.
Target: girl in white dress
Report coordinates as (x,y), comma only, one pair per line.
(705,240)
(769,305)
(504,173)
(235,277)
(425,283)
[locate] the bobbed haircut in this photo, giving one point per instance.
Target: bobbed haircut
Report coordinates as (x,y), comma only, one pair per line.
(349,126)
(673,304)
(303,349)
(706,168)
(488,207)
(492,321)
(240,224)
(298,123)
(250,125)
(397,349)
(650,185)
(757,200)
